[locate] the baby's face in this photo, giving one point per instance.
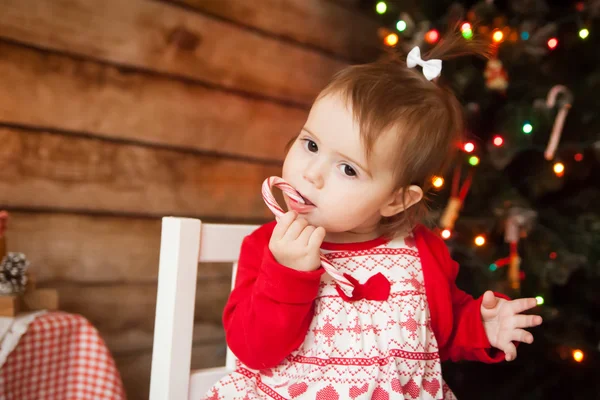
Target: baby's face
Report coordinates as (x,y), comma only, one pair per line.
(327,164)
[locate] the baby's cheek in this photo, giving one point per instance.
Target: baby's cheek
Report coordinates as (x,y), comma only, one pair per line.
(345,217)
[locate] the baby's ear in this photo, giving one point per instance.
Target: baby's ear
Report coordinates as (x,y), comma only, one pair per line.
(401,200)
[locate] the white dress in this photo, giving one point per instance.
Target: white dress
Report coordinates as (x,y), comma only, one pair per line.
(357,350)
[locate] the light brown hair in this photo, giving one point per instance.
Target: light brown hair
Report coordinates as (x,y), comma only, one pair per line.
(425,116)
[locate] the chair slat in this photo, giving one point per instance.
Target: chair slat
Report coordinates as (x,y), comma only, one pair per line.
(186,242)
(173,326)
(222,243)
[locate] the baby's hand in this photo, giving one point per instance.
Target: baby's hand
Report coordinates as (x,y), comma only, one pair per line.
(296,244)
(503,322)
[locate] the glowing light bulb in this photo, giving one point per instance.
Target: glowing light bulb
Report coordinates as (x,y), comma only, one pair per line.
(480,240)
(527,128)
(578,355)
(552,43)
(437,181)
(446,234)
(466,30)
(391,39)
(497,36)
(401,25)
(559,168)
(381,7)
(539,300)
(474,160)
(584,33)
(469,147)
(432,36)
(498,141)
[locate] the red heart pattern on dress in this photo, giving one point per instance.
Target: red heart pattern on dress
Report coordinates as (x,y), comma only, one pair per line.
(357,391)
(297,389)
(380,394)
(328,393)
(411,389)
(396,385)
(432,387)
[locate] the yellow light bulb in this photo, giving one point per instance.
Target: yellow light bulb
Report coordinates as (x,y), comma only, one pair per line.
(498,36)
(559,168)
(480,240)
(437,181)
(578,355)
(391,39)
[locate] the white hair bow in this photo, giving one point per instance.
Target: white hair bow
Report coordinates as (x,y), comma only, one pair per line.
(431,68)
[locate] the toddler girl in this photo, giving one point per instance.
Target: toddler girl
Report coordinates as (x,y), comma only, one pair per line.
(374,138)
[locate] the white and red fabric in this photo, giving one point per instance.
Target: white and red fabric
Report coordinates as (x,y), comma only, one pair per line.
(364,349)
(60,356)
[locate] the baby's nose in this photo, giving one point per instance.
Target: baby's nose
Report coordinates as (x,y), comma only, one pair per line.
(314,175)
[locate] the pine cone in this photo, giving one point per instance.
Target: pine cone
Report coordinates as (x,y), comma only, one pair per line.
(13,273)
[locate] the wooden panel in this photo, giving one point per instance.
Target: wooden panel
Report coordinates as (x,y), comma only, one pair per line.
(347,3)
(318,23)
(58,92)
(135,368)
(86,249)
(48,170)
(163,37)
(139,341)
(117,308)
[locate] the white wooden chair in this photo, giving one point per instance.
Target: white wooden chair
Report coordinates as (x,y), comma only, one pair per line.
(185,242)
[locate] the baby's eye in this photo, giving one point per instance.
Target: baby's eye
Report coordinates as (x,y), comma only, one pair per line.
(348,170)
(311,146)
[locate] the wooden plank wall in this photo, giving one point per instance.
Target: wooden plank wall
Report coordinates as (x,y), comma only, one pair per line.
(115,113)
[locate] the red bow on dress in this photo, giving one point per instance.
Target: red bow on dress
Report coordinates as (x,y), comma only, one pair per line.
(375,288)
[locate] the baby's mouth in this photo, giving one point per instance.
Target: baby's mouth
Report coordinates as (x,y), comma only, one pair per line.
(306,201)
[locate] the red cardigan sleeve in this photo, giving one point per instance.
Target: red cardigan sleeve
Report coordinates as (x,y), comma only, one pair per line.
(271,306)
(468,340)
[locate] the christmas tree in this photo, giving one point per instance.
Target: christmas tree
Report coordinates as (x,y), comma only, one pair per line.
(520,210)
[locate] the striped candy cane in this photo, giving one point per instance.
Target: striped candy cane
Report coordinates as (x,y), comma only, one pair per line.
(559,121)
(267,193)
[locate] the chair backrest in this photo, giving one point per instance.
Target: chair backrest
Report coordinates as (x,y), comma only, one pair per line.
(185,242)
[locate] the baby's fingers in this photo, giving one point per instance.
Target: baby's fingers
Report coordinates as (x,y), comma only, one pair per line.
(316,238)
(295,229)
(306,234)
(527,321)
(520,305)
(521,335)
(283,224)
(510,351)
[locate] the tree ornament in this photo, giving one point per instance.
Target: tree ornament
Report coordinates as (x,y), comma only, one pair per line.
(518,224)
(496,77)
(564,106)
(457,197)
